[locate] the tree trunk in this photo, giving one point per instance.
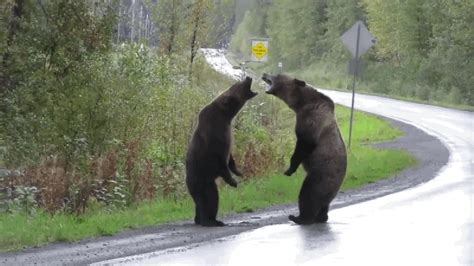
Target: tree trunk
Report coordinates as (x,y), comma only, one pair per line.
(132,26)
(118,20)
(194,46)
(173,29)
(140,18)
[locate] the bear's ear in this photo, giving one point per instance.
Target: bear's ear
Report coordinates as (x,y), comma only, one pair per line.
(300,83)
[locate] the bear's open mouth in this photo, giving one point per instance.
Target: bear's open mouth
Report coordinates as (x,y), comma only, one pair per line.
(268,82)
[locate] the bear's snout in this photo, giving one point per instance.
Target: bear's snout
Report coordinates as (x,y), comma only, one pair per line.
(267,79)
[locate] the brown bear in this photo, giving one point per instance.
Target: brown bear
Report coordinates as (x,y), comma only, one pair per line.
(319,146)
(209,155)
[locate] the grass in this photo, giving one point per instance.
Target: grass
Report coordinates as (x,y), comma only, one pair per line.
(366,165)
(265,192)
(19,230)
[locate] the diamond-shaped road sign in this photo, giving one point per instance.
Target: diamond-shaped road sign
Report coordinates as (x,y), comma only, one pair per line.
(358,40)
(259,50)
(366,39)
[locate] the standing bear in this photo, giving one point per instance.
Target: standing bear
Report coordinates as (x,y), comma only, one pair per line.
(209,155)
(319,146)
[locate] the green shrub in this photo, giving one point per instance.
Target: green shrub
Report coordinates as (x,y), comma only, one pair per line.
(115,130)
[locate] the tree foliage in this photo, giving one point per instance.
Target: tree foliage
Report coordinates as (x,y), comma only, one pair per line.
(424,48)
(189,25)
(254,24)
(85,118)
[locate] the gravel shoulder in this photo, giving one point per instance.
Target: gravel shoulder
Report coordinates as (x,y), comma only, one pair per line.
(432,155)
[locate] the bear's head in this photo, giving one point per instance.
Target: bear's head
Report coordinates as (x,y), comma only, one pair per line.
(233,99)
(288,89)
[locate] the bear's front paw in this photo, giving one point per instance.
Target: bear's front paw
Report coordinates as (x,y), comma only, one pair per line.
(237,172)
(289,172)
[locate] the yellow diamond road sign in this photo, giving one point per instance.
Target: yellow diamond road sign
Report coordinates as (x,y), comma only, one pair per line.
(259,50)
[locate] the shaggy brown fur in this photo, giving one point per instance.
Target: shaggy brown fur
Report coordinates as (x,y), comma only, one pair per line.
(319,146)
(209,153)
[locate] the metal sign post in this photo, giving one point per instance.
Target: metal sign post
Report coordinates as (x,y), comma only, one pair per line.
(354,84)
(358,40)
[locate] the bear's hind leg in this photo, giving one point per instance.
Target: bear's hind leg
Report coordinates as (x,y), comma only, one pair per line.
(195,188)
(322,216)
(210,205)
(307,203)
(197,218)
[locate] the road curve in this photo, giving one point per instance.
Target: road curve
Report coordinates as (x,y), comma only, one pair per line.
(431,224)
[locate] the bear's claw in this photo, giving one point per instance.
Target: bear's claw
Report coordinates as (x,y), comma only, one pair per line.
(233,183)
(289,172)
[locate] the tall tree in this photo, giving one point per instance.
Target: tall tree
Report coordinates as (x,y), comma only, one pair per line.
(297,30)
(255,23)
(169,16)
(14,10)
(223,18)
(341,15)
(401,28)
(449,65)
(54,43)
(199,21)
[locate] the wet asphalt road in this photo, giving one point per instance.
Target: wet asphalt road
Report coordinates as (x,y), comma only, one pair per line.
(431,224)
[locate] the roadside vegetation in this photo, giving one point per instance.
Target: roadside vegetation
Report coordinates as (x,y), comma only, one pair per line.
(422,53)
(96,116)
(30,226)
